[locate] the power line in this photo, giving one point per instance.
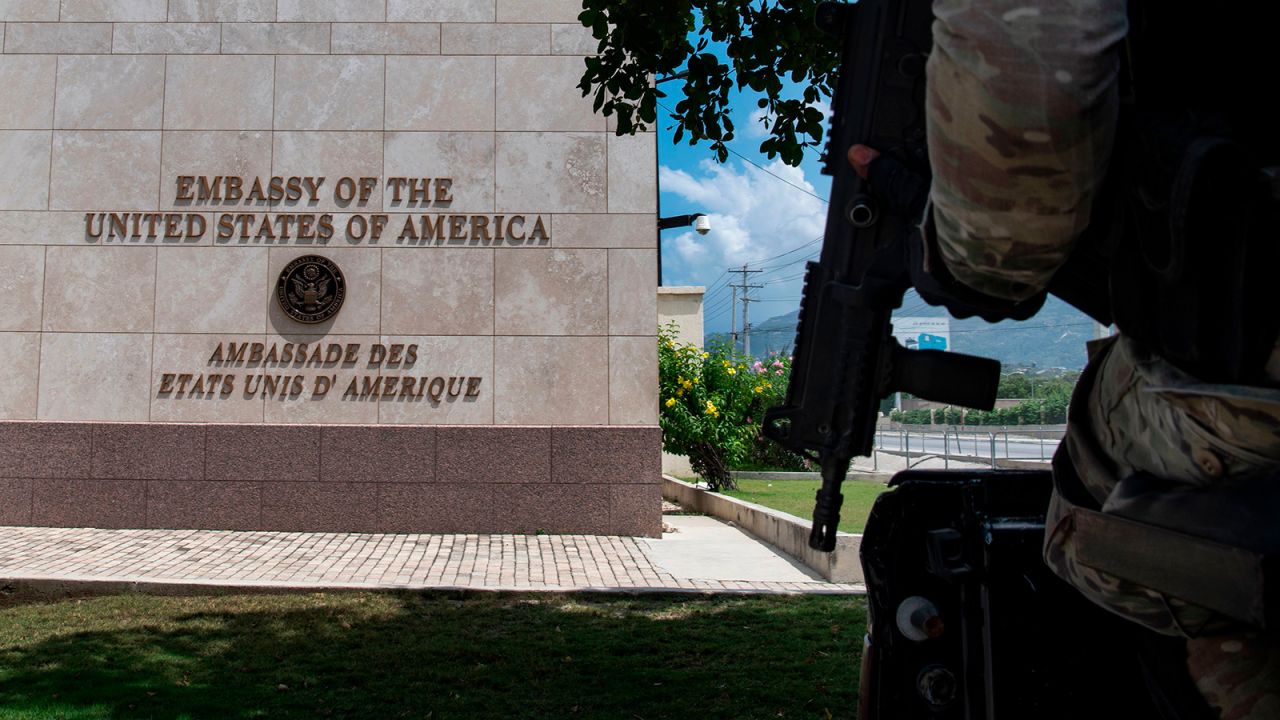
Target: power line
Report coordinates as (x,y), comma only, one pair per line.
(794,249)
(759,167)
(788,278)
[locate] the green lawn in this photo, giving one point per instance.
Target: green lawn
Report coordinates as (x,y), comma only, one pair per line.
(363,655)
(796,497)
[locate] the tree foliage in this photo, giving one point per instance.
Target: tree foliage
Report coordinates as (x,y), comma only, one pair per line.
(766,41)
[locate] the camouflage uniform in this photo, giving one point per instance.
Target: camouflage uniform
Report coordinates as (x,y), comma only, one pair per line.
(1022,103)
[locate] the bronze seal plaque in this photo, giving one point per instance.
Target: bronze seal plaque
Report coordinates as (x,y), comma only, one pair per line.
(311,289)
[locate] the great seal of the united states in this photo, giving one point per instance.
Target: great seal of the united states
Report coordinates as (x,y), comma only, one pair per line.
(311,289)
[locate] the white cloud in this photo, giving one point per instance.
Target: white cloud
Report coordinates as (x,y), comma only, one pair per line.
(754,217)
(758,124)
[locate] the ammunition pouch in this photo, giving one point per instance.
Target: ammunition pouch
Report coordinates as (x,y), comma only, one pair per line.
(1214,546)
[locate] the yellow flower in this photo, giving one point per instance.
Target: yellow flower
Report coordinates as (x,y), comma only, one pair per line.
(671,401)
(695,381)
(732,371)
(687,384)
(759,388)
(711,409)
(679,393)
(679,379)
(706,355)
(725,363)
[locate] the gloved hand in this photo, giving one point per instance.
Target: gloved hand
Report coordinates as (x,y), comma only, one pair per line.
(905,193)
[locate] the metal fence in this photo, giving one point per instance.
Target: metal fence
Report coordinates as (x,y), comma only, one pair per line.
(1018,443)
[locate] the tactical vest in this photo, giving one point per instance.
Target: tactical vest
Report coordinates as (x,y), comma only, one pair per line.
(1185,241)
(1180,255)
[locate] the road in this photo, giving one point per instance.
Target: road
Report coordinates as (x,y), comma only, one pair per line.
(969,445)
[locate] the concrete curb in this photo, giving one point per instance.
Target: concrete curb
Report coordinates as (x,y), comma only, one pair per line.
(782,530)
(880,477)
(1001,463)
(16,591)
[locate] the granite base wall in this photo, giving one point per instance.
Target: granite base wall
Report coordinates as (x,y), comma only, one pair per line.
(332,478)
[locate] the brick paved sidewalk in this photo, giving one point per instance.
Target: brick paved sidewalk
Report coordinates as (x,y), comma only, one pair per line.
(349,560)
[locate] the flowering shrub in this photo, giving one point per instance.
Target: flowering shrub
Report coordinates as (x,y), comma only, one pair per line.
(712,402)
(771,376)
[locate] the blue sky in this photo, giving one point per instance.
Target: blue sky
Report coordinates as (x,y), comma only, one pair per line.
(757,215)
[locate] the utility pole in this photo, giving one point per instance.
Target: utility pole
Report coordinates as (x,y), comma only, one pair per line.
(733,316)
(746,289)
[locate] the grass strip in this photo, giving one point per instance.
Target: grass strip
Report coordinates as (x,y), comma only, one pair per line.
(390,655)
(796,497)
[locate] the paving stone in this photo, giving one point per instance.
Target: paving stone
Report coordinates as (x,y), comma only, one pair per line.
(362,560)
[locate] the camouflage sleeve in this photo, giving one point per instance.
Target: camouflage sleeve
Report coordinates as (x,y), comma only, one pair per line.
(1021,107)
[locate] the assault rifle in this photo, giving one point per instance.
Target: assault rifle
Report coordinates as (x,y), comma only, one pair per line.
(846,358)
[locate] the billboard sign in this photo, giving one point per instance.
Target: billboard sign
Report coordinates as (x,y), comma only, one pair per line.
(923,333)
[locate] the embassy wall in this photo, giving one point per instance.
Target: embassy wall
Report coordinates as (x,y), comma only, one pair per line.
(349,265)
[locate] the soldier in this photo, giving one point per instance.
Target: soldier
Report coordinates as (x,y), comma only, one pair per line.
(1022,105)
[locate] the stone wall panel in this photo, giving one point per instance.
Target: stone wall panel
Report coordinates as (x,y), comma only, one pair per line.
(633,380)
(124,451)
(96,170)
(555,11)
(633,179)
(218,93)
(442,11)
(73,389)
(495,39)
(89,503)
(29,10)
(88,289)
(20,355)
(114,10)
(185,278)
(438,292)
(320,507)
(197,505)
(330,11)
(638,230)
(26,91)
(556,292)
(254,38)
(419,96)
(540,93)
(342,92)
(15,501)
(164,38)
(24,169)
(57,38)
(22,287)
(557,172)
(633,305)
(544,380)
(109,92)
(386,38)
(222,10)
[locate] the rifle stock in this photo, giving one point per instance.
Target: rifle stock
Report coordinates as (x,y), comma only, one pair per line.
(846,359)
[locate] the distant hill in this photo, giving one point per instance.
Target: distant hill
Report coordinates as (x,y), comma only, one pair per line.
(1054,338)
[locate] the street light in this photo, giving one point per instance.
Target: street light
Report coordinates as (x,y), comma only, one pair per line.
(700,222)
